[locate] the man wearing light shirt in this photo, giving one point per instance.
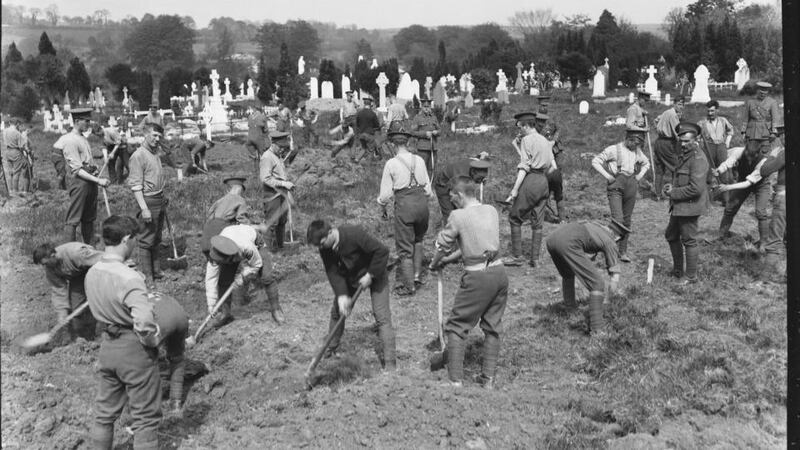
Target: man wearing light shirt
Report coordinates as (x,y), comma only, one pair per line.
(272,173)
(236,258)
(623,165)
(146,180)
(717,132)
(636,116)
(531,191)
(665,148)
(405,178)
(127,365)
(83,181)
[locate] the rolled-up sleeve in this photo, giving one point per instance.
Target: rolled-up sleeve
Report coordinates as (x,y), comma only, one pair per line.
(212,281)
(135,173)
(72,156)
(733,157)
(387,184)
(447,238)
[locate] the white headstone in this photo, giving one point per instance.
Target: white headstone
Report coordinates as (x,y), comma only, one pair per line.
(583,107)
(313,86)
(502,81)
(667,99)
(651,84)
(228,96)
(428,86)
(599,85)
(215,90)
(345,85)
(374,63)
(327,89)
(415,88)
(242,92)
(631,98)
(405,90)
(532,72)
(301,66)
(251,92)
(700,93)
(742,75)
(382,81)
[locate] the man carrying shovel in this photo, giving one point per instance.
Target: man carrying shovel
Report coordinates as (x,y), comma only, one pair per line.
(475,229)
(277,187)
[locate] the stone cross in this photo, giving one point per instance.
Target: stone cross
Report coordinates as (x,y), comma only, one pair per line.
(98,98)
(215,91)
(607,66)
(428,86)
(228,95)
(241,90)
(251,93)
(374,63)
(301,66)
(382,82)
(532,71)
(651,84)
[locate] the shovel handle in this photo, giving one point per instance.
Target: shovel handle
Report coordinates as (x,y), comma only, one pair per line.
(213,311)
(440,292)
(171,235)
(105,200)
(61,324)
(329,338)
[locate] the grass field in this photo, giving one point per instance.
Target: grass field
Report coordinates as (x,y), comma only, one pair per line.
(682,367)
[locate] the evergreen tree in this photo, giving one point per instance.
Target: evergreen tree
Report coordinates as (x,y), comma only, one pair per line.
(418,71)
(45,46)
(24,102)
(264,87)
(13,55)
(290,89)
(13,65)
(78,83)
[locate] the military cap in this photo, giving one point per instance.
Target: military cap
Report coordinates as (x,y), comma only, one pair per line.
(542,117)
(398,134)
(425,101)
(687,127)
(367,98)
(764,85)
(81,113)
(638,133)
(277,136)
(350,92)
(525,115)
(482,155)
(223,250)
(235,179)
(644,94)
(619,228)
(480,164)
(543,98)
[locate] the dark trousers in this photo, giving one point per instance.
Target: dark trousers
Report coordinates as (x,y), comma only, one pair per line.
(621,200)
(683,229)
(118,165)
(665,154)
(445,204)
(566,247)
(482,297)
(150,237)
(429,157)
(82,208)
(67,294)
(411,217)
(227,272)
(555,183)
(381,311)
(762,191)
(128,374)
(531,199)
(777,225)
(61,169)
(273,208)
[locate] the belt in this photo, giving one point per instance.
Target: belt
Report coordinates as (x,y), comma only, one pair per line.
(483,266)
(153,194)
(114,330)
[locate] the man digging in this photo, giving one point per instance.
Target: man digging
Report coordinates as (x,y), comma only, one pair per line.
(475,168)
(272,174)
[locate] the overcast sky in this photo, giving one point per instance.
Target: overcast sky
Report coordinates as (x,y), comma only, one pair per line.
(369,13)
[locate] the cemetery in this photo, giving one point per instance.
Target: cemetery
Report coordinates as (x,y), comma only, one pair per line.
(679,363)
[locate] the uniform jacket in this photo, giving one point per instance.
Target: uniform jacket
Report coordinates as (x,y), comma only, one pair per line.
(424,122)
(762,116)
(689,195)
(356,254)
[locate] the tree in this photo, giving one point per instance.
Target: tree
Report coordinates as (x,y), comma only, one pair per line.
(290,87)
(100,16)
(35,13)
(13,55)
(45,46)
(575,67)
(225,43)
(483,80)
(303,38)
(532,22)
(362,48)
(415,41)
(24,101)
(418,70)
(52,14)
(328,72)
(78,83)
(120,76)
(159,44)
(604,36)
(172,84)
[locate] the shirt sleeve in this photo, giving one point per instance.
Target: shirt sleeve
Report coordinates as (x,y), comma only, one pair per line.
(447,238)
(733,156)
(73,157)
(387,185)
(606,156)
(144,324)
(727,127)
(338,282)
(755,176)
(136,172)
(673,122)
(642,159)
(242,212)
(212,280)
(252,262)
(773,164)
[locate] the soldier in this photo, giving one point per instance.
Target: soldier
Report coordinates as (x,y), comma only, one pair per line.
(623,165)
(237,257)
(146,180)
(688,200)
(309,118)
(65,267)
(353,258)
(475,168)
(405,179)
(277,187)
(14,156)
(173,326)
(666,147)
(231,209)
(717,133)
(555,179)
(257,139)
(84,179)
(530,192)
(195,149)
(568,246)
(127,365)
(636,116)
(117,159)
(366,125)
(425,128)
(762,115)
(153,117)
(473,231)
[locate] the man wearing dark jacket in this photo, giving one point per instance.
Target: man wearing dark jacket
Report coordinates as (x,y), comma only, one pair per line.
(352,259)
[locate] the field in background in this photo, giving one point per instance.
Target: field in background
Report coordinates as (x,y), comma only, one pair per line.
(683,367)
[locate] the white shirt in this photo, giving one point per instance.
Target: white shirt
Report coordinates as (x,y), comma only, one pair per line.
(244,236)
(397,175)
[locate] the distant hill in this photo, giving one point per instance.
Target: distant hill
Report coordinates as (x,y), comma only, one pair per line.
(653,28)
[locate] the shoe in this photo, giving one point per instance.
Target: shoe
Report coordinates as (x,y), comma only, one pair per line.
(172,407)
(222,321)
(513,261)
(486,382)
(624,258)
(277,316)
(402,291)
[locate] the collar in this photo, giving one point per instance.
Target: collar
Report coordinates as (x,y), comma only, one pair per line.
(112,257)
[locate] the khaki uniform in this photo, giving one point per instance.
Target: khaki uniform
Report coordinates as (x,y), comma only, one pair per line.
(426,147)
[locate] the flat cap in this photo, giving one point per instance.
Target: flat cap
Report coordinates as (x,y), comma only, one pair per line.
(278,135)
(541,117)
(81,113)
(367,98)
(398,134)
(764,85)
(687,127)
(223,249)
(235,179)
(619,228)
(525,115)
(480,164)
(350,92)
(638,133)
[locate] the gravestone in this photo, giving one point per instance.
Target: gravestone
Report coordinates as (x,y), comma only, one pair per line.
(439,95)
(327,89)
(502,87)
(469,102)
(251,92)
(193,93)
(700,92)
(519,85)
(405,90)
(228,97)
(382,81)
(631,98)
(301,66)
(313,88)
(651,84)
(415,89)
(742,75)
(216,93)
(599,85)
(374,63)
(92,103)
(242,92)
(583,107)
(667,99)
(345,85)
(428,86)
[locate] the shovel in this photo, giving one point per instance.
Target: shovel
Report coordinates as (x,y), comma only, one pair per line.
(328,339)
(292,243)
(176,262)
(43,338)
(440,294)
(192,340)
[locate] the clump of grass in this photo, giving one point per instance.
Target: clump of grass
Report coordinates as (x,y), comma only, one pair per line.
(576,433)
(340,372)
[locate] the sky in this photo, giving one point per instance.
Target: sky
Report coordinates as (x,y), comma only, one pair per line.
(368,13)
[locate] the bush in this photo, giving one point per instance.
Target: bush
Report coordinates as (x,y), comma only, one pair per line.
(483,80)
(24,102)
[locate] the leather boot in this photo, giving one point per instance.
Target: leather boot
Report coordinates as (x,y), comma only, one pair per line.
(725,226)
(516,258)
(562,212)
(146,265)
(280,232)
(568,292)
(622,245)
(405,275)
(455,358)
(536,247)
(102,437)
(69,232)
(417,260)
(692,256)
(763,232)
(491,352)
(596,320)
(386,335)
(676,248)
(273,299)
(156,261)
(87,232)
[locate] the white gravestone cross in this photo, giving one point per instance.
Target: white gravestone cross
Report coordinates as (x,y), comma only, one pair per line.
(700,92)
(382,82)
(251,93)
(228,96)
(599,85)
(651,84)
